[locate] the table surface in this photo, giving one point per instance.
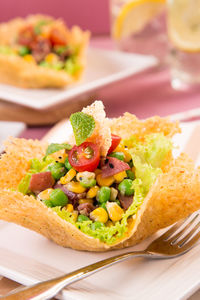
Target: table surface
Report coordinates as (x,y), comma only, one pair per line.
(146,94)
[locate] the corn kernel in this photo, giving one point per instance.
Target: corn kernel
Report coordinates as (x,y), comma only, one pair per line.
(45,32)
(85,201)
(45,195)
(113,194)
(104,181)
(75,187)
(51,58)
(99,214)
(120,176)
(69,207)
(115,212)
(59,156)
(68,177)
(29,58)
(45,35)
(92,192)
(128,156)
(97,172)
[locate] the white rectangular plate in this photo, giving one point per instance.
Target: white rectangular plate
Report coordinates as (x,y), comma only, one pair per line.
(103,68)
(27,257)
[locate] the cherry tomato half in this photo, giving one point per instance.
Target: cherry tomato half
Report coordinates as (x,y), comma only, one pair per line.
(115,142)
(85,157)
(57,37)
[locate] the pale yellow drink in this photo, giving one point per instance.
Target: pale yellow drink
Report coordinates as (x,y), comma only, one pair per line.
(184,34)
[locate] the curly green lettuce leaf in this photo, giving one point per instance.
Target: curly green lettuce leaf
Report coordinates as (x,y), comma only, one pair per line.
(23,186)
(153,150)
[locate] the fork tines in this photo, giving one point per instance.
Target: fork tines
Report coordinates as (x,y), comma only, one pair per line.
(183,231)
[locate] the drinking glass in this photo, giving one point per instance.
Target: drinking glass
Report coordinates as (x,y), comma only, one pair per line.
(140,26)
(184,35)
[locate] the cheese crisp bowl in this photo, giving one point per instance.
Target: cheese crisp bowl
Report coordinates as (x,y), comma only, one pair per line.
(111,185)
(40,51)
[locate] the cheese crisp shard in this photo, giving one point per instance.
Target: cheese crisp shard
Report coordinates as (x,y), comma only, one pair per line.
(102,133)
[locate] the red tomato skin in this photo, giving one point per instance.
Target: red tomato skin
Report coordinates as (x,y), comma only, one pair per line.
(57,38)
(115,142)
(82,164)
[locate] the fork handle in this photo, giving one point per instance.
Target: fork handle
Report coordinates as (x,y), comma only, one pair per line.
(50,288)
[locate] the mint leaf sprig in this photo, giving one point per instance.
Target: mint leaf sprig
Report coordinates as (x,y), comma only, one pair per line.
(83,126)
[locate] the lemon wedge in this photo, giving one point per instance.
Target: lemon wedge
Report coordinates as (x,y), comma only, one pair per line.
(135,15)
(184,25)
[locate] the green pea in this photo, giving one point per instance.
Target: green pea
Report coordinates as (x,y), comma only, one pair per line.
(87,183)
(48,203)
(67,164)
(57,170)
(130,174)
(58,198)
(96,225)
(23,50)
(103,194)
(125,187)
(82,218)
(118,155)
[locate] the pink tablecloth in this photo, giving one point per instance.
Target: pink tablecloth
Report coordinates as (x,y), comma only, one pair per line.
(146,94)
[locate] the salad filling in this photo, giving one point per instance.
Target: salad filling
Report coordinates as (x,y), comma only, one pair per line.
(46,43)
(98,194)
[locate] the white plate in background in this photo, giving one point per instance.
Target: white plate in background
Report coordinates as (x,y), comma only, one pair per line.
(9,129)
(103,68)
(28,257)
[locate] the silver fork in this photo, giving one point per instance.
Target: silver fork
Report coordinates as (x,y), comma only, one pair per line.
(171,244)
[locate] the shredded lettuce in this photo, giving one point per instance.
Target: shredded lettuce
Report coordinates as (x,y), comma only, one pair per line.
(37,165)
(147,158)
(23,186)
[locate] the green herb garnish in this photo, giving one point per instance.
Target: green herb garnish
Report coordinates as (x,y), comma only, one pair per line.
(56,147)
(83,126)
